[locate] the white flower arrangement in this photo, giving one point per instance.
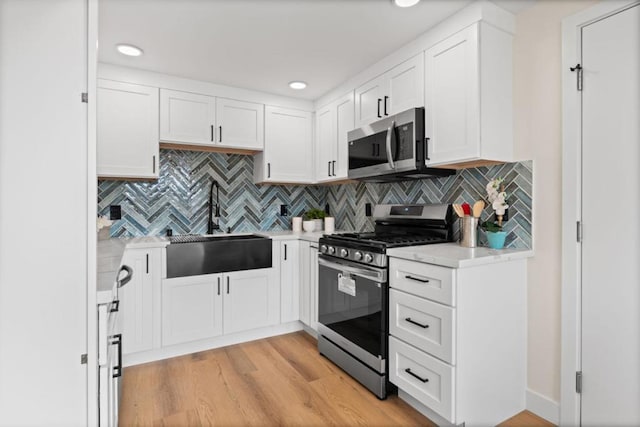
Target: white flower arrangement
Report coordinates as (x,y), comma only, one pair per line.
(497,197)
(102,222)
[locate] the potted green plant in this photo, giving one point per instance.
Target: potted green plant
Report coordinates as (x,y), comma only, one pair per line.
(317,216)
(498,199)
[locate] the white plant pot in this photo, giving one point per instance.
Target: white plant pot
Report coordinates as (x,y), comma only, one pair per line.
(309,225)
(319,224)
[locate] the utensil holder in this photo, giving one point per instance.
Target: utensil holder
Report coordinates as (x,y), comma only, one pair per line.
(469,232)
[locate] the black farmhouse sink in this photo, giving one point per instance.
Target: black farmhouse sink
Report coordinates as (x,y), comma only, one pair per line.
(194,255)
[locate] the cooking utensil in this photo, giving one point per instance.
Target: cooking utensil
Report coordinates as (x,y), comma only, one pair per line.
(477,208)
(458,209)
(466,208)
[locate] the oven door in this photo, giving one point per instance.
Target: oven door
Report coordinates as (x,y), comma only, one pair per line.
(387,146)
(353,309)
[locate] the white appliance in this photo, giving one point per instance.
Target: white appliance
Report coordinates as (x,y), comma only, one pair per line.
(110,354)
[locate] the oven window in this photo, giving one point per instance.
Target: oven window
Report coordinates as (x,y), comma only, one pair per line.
(356,312)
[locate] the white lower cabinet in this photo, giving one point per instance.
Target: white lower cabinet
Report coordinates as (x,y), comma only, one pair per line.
(457,342)
(289,281)
(309,284)
(424,377)
(191,308)
(136,300)
(201,307)
(251,300)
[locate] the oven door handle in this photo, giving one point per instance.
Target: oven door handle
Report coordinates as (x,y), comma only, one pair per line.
(390,134)
(378,276)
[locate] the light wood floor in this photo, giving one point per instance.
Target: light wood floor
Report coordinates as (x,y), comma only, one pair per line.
(279,381)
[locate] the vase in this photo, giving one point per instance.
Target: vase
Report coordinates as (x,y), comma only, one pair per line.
(308,225)
(496,239)
(319,225)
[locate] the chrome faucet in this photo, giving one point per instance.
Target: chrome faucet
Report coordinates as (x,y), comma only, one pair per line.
(214,221)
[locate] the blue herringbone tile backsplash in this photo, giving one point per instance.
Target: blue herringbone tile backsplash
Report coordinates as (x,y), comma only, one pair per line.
(178,199)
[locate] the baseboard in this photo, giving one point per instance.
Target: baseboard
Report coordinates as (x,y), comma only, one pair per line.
(208,344)
(543,407)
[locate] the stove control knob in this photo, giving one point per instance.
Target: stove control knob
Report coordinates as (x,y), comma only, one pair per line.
(344,253)
(358,255)
(323,249)
(368,258)
(331,250)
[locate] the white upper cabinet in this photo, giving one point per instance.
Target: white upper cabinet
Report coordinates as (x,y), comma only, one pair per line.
(345,122)
(240,124)
(187,118)
(399,89)
(369,99)
(201,120)
(333,122)
(288,147)
(406,86)
(325,142)
(468,98)
(127,128)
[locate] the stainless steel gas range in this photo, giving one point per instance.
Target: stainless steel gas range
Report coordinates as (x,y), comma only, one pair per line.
(353,287)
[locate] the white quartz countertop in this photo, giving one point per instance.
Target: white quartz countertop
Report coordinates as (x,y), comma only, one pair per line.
(455,256)
(312,236)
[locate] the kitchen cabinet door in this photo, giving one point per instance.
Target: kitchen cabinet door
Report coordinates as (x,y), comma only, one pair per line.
(405,87)
(288,147)
(187,118)
(289,281)
(191,308)
(251,300)
(368,101)
(452,98)
(137,297)
(127,130)
(344,124)
(333,123)
(309,284)
(240,124)
(326,142)
(468,98)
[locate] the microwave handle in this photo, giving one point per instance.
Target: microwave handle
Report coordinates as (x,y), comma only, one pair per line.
(390,134)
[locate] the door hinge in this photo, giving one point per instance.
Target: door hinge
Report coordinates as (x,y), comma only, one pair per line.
(578,69)
(579,382)
(83,359)
(84,97)
(579,231)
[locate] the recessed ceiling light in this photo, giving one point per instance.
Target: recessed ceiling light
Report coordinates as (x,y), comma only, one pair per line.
(405,3)
(297,85)
(128,49)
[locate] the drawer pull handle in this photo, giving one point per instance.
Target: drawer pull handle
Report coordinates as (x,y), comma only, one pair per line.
(416,279)
(424,380)
(408,319)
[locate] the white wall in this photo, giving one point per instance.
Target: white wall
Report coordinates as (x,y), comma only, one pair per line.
(43,212)
(538,136)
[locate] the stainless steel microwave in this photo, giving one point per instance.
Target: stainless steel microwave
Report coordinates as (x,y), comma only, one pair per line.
(392,149)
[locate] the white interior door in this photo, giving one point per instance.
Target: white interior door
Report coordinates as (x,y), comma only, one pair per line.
(611,200)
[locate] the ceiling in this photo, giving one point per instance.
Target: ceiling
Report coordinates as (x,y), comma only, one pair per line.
(265,44)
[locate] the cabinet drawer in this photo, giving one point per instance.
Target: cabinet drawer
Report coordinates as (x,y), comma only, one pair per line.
(424,324)
(425,378)
(424,280)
